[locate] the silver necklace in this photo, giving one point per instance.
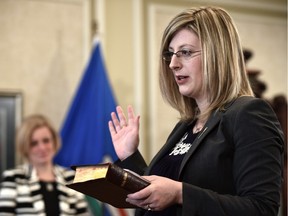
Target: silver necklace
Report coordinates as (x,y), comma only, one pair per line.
(49,186)
(197,129)
(198,126)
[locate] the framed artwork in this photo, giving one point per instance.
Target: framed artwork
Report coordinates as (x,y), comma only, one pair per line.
(10,118)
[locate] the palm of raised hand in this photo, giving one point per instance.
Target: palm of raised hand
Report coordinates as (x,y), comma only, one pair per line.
(125,135)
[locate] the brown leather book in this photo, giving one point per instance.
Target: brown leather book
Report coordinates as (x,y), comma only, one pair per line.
(107,183)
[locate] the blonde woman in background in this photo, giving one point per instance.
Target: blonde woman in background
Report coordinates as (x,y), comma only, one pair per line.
(37,187)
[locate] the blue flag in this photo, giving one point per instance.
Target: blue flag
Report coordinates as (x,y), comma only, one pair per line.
(85,134)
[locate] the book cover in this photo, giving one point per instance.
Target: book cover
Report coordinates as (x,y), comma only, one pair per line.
(107,183)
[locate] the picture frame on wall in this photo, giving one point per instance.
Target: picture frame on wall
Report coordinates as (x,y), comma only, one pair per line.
(10,118)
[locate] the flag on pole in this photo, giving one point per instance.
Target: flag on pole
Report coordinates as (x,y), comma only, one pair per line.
(85,134)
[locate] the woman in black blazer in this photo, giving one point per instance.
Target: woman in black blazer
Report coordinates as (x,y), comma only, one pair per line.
(224,157)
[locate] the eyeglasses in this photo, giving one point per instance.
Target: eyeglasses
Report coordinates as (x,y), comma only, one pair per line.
(185,54)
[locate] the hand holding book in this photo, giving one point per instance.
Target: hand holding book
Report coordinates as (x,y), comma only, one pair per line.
(108,183)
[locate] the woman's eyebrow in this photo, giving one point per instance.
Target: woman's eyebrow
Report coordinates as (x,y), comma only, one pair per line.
(183,46)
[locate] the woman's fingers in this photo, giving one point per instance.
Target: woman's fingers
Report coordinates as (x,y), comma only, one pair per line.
(118,121)
(132,119)
(121,116)
(115,122)
(111,128)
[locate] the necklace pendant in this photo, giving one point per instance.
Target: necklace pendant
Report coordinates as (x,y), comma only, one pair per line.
(49,187)
(197,129)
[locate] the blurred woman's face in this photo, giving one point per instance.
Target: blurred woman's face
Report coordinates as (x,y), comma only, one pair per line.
(42,147)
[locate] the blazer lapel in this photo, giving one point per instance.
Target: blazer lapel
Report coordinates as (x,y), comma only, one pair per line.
(210,124)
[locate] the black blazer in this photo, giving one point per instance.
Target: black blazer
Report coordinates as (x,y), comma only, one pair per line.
(234,166)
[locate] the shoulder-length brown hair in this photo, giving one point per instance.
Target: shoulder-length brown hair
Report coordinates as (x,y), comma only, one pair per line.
(223,65)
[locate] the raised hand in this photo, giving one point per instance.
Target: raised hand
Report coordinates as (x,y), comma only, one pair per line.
(125,134)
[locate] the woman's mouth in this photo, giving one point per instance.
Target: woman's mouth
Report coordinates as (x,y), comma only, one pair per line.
(181,79)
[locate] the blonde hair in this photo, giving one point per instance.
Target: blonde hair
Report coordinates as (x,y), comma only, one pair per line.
(224,73)
(25,131)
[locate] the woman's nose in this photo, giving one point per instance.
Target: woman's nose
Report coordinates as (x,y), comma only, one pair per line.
(175,63)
